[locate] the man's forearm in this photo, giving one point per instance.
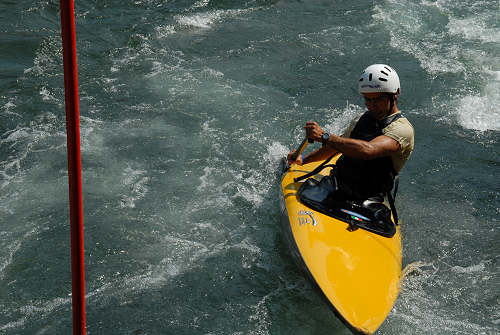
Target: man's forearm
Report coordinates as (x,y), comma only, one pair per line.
(320,154)
(378,147)
(348,146)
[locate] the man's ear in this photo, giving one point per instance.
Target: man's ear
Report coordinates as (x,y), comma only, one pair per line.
(396,94)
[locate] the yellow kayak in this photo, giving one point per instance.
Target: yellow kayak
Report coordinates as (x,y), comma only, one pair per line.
(358,271)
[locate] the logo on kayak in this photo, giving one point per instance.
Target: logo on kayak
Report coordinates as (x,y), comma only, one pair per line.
(306,217)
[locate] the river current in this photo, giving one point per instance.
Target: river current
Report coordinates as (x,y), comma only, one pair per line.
(187,108)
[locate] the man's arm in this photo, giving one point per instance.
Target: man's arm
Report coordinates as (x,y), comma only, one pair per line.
(320,154)
(317,155)
(378,147)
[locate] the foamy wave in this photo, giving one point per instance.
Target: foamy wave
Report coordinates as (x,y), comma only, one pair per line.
(214,134)
(90,140)
(238,179)
(137,183)
(211,73)
(253,185)
(275,152)
(473,28)
(249,192)
(340,119)
(479,112)
(8,108)
(261,317)
(164,31)
(216,194)
(132,55)
(24,140)
(47,95)
(422,310)
(202,20)
(205,179)
(38,310)
(412,29)
(179,256)
(8,201)
(469,269)
(459,45)
(48,60)
(409,32)
(207,19)
(11,249)
(199,4)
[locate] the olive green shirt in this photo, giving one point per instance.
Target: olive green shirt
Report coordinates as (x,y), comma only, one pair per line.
(402,132)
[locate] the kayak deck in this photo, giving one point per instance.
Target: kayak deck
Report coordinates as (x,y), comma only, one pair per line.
(358,272)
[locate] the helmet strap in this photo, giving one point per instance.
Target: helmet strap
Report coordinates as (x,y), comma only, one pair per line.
(391,99)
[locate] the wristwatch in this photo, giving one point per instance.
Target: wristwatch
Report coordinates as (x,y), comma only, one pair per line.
(324,138)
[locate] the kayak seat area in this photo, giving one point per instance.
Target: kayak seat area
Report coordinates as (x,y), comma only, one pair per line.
(326,197)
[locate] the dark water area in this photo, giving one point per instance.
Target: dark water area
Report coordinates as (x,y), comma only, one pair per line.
(186,109)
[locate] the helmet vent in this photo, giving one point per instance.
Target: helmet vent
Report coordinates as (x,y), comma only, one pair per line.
(385,67)
(382,79)
(385,73)
(370,77)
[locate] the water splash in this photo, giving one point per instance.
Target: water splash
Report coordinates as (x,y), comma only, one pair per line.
(450,40)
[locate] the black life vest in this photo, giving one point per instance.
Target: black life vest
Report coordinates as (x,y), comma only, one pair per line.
(372,178)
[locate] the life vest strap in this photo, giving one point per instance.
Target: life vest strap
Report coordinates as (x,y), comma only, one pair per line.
(392,199)
(317,170)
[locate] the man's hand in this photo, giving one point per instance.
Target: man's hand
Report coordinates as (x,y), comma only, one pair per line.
(313,131)
(298,161)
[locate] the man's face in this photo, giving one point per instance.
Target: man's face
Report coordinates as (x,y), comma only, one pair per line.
(378,104)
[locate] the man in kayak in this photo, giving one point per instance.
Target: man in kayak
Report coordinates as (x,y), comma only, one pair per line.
(376,145)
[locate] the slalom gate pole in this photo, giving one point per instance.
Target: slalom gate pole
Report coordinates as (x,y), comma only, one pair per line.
(74,164)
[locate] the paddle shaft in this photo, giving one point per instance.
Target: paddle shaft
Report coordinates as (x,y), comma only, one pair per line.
(301,148)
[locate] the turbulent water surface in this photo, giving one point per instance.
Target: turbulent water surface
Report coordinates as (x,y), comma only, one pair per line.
(186,109)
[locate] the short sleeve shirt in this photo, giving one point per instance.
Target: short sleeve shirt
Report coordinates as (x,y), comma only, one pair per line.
(402,132)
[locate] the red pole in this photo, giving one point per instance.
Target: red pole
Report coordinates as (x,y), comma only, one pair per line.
(74,164)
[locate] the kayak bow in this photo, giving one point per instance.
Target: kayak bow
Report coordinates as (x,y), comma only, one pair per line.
(356,271)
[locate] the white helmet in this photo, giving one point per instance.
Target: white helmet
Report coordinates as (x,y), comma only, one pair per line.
(379,78)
